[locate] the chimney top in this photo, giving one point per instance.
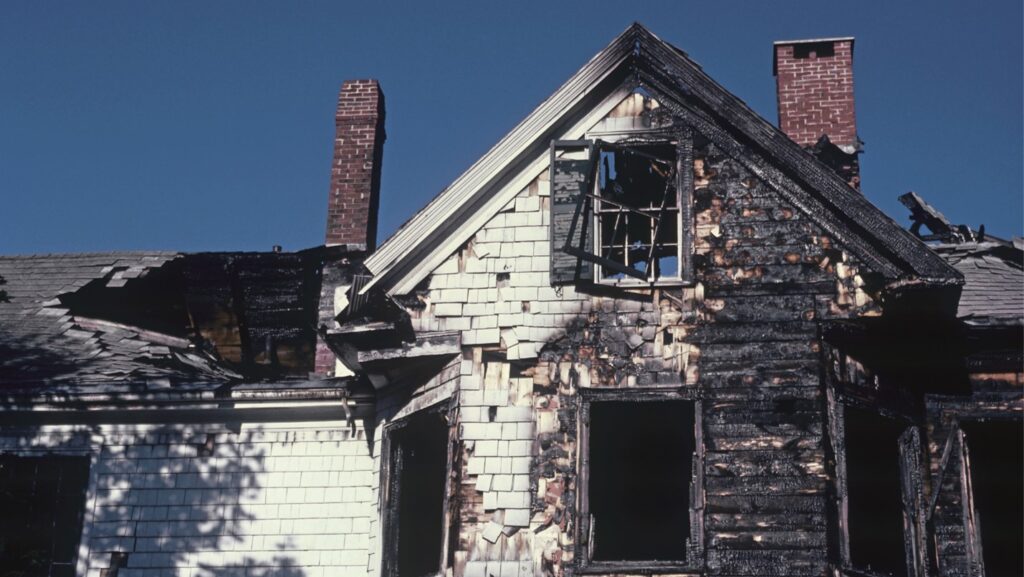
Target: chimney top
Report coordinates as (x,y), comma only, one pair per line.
(814,85)
(354,196)
(826,41)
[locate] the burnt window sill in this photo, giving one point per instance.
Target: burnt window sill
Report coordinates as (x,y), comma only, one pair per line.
(850,571)
(637,283)
(638,568)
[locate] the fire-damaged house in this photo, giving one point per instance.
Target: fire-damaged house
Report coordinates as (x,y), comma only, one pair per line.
(647,333)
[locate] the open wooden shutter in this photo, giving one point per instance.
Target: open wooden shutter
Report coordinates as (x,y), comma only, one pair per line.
(954,517)
(573,167)
(914,530)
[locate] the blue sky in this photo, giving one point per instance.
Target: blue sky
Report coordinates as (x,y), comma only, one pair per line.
(208,125)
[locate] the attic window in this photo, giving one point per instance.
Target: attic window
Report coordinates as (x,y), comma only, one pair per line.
(637,213)
(620,212)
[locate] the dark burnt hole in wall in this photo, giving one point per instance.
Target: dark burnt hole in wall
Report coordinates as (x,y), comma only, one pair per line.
(997,478)
(419,458)
(42,500)
(640,469)
(875,507)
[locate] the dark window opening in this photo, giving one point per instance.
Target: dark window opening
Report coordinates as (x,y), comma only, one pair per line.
(419,466)
(874,502)
(638,212)
(641,457)
(997,477)
(43,501)
(814,49)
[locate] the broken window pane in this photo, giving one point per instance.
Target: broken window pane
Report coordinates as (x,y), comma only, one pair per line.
(419,463)
(641,457)
(637,212)
(874,502)
(43,500)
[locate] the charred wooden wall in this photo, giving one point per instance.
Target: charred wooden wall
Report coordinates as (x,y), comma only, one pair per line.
(744,339)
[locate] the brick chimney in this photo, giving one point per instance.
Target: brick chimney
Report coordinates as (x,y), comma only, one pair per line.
(354,198)
(814,82)
(355,171)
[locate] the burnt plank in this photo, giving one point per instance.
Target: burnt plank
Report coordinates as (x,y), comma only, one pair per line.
(753,540)
(767,562)
(765,521)
(764,463)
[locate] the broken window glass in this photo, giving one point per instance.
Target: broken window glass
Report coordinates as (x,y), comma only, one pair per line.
(43,501)
(619,211)
(637,213)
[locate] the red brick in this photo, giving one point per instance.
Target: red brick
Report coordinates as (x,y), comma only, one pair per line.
(354,196)
(815,94)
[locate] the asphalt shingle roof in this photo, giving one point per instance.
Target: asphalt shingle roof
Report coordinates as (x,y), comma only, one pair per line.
(43,343)
(993,291)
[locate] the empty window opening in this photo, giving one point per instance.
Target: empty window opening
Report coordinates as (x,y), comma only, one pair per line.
(419,470)
(638,212)
(641,457)
(997,477)
(874,503)
(43,500)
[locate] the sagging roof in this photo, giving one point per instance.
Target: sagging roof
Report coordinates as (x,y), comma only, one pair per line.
(638,56)
(42,342)
(157,320)
(993,291)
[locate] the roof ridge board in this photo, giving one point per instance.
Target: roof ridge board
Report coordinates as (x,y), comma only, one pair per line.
(835,191)
(600,64)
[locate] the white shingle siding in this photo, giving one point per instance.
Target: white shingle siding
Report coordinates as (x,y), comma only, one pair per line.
(263,500)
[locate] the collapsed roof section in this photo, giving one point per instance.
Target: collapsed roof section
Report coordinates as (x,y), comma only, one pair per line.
(151,321)
(638,58)
(993,268)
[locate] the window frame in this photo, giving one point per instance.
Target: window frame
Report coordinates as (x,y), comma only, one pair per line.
(390,480)
(69,459)
(915,542)
(587,217)
(694,561)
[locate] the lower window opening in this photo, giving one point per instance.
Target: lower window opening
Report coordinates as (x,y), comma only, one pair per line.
(420,459)
(641,457)
(42,500)
(997,477)
(874,504)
